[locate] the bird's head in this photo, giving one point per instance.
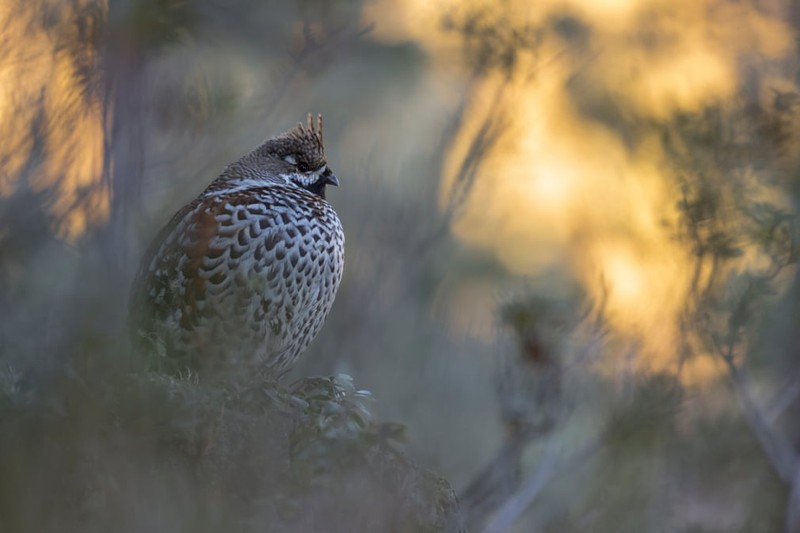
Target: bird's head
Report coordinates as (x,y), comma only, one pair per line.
(297,157)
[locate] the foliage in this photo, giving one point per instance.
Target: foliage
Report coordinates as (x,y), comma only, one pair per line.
(255,456)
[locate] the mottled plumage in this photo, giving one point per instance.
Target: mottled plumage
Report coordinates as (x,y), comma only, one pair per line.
(247,272)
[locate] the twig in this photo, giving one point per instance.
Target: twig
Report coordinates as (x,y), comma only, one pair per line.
(783,399)
(793,505)
(310,45)
(515,506)
(776,447)
(497,481)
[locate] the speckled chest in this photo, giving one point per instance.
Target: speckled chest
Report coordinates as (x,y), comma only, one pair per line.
(249,273)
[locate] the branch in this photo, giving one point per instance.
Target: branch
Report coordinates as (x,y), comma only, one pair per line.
(783,400)
(497,481)
(793,505)
(310,45)
(775,446)
(515,506)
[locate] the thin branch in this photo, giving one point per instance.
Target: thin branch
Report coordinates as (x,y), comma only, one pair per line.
(783,400)
(481,144)
(310,45)
(516,506)
(775,446)
(793,505)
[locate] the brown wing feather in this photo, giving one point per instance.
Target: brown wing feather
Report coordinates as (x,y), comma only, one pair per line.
(155,295)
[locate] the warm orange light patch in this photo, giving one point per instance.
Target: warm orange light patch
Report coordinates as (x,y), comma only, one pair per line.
(700,369)
(558,183)
(646,282)
(400,20)
(17,90)
(43,97)
(557,186)
(665,56)
(624,274)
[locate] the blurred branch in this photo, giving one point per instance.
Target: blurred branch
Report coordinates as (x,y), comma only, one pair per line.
(717,228)
(793,504)
(123,145)
(550,465)
(776,447)
(516,505)
(494,124)
(497,482)
(310,45)
(531,402)
(486,138)
(490,43)
(134,32)
(721,224)
(783,400)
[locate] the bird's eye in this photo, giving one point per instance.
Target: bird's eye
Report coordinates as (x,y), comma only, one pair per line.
(302,166)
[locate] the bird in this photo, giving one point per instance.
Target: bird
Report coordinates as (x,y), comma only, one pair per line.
(244,276)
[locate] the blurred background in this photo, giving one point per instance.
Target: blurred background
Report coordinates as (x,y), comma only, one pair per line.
(571,233)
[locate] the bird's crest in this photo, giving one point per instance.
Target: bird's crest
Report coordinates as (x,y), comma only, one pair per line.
(310,132)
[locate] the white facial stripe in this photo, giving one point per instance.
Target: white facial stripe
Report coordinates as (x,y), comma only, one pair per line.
(320,171)
(290,159)
(298,178)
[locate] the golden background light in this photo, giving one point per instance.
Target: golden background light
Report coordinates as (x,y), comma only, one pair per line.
(44,92)
(559,185)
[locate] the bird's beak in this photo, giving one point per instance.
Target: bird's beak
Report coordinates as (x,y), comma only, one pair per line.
(330,178)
